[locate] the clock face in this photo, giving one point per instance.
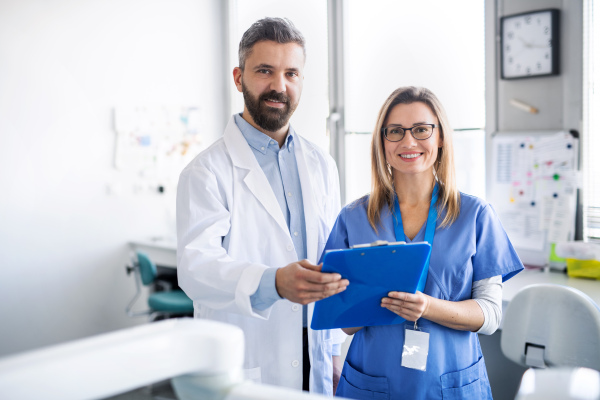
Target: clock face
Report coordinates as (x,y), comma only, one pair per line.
(530,44)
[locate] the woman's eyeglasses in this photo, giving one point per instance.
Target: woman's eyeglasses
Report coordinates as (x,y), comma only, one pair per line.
(395,133)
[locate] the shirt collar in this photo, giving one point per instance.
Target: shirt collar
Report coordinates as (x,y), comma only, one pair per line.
(258,140)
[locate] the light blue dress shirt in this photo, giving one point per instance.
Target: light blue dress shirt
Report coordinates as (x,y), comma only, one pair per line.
(281,170)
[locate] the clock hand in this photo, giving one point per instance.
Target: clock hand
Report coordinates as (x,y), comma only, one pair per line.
(540,46)
(524,42)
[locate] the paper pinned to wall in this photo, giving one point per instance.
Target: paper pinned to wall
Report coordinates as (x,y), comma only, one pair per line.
(154,143)
(534,187)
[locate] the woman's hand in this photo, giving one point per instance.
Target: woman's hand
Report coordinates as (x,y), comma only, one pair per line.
(464,315)
(407,305)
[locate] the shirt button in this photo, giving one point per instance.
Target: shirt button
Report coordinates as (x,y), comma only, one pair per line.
(290,247)
(262,148)
(295,307)
(295,233)
(289,194)
(295,363)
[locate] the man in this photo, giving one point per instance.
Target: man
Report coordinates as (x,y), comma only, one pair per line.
(250,206)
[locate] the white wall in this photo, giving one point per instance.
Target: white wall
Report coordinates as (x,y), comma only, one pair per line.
(63,66)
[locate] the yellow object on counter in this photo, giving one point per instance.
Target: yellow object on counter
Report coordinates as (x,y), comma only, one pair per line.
(583,268)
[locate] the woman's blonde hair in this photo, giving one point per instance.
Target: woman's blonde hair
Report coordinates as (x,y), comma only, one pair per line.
(382,183)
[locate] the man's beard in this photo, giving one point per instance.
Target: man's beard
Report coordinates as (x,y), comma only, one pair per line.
(268,118)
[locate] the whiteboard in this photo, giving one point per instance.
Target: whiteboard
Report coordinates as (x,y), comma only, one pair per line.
(534,189)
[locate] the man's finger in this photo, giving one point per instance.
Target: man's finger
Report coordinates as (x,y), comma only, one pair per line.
(336,285)
(319,277)
(322,277)
(320,288)
(316,296)
(308,265)
(335,291)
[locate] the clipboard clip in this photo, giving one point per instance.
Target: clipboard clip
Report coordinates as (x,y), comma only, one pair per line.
(375,244)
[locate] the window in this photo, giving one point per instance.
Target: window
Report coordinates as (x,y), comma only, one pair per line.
(387,44)
(432,43)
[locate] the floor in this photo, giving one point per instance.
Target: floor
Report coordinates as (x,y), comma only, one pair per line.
(158,391)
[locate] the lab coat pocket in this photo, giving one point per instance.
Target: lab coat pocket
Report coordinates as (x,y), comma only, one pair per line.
(356,385)
(253,375)
(469,383)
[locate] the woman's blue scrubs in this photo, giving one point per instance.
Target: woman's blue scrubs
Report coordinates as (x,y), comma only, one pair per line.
(474,247)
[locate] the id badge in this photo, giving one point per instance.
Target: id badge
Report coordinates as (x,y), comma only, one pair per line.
(416,347)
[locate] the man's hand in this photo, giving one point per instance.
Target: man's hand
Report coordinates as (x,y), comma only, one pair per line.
(303,282)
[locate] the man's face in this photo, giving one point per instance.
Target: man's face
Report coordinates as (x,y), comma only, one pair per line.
(271,84)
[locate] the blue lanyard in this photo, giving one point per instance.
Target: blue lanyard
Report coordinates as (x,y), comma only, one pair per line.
(429,231)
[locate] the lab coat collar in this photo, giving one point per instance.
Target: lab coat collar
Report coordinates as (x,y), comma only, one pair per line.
(242,157)
(258,184)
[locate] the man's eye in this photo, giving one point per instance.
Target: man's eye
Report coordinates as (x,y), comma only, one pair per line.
(263,71)
(292,74)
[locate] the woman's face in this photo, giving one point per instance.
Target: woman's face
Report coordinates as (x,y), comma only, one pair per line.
(410,156)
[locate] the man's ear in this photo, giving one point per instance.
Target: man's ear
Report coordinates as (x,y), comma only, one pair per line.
(237,78)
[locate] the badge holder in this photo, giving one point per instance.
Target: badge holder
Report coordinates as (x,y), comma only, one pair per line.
(416,347)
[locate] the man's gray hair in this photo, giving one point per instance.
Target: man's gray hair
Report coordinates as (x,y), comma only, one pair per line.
(280,30)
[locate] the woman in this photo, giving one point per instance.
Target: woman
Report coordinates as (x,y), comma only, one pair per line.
(413,184)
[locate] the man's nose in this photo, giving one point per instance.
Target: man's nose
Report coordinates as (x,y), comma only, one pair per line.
(278,83)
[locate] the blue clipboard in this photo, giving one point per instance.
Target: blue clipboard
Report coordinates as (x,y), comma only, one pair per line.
(373,272)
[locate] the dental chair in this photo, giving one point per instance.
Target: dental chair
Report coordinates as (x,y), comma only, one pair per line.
(203,358)
(166,303)
(554,330)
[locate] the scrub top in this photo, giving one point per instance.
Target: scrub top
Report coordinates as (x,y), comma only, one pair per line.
(474,247)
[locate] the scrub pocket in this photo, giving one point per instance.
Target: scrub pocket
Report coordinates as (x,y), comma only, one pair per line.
(356,385)
(469,383)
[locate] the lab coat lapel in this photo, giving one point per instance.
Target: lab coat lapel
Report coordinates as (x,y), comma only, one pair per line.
(258,184)
(305,157)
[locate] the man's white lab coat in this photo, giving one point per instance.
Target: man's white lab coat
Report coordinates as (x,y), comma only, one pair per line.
(230,229)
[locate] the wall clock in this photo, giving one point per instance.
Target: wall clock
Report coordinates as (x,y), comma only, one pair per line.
(530,44)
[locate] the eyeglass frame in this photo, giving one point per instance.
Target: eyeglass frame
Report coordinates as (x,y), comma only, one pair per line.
(384,132)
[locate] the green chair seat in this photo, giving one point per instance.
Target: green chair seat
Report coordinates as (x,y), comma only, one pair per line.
(174,301)
(164,304)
